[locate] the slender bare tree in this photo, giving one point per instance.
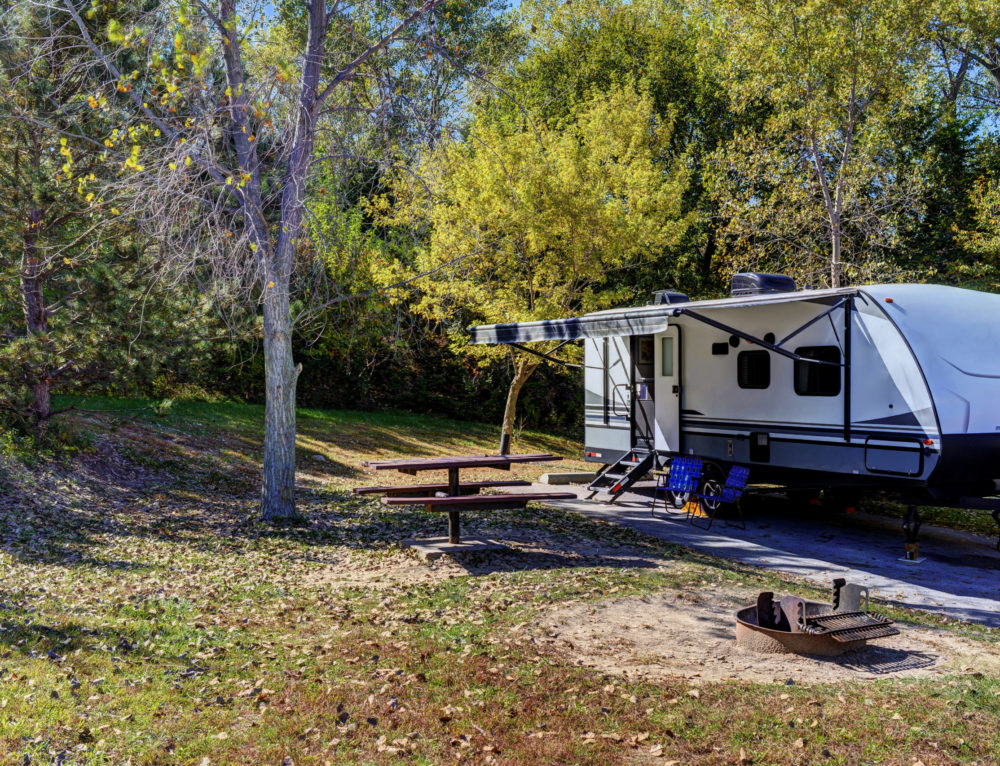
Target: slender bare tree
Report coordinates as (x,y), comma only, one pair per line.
(218,108)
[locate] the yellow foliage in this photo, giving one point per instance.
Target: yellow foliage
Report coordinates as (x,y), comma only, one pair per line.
(525,224)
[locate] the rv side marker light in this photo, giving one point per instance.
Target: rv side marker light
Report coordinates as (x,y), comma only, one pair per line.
(593,454)
(928,442)
(888,300)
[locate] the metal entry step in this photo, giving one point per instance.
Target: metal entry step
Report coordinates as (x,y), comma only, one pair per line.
(619,477)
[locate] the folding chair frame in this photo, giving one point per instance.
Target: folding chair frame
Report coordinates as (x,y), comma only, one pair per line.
(684,476)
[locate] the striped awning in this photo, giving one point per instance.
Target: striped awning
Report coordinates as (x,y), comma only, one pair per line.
(574,328)
(644,320)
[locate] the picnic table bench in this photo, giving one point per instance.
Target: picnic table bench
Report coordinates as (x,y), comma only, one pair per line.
(452,505)
(456,496)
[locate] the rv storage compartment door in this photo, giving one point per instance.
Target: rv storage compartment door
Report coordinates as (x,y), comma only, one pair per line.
(760,447)
(895,457)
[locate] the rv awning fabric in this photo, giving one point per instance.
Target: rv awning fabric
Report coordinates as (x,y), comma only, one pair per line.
(646,320)
(573,328)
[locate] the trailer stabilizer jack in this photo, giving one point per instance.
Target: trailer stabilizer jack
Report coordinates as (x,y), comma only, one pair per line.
(911,532)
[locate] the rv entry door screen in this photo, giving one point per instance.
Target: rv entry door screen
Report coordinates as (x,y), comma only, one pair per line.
(667,394)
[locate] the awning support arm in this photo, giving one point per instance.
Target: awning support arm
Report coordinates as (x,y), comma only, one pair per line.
(811,322)
(752,338)
(848,334)
(546,356)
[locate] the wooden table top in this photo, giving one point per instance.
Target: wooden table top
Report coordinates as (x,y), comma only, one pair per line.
(409,465)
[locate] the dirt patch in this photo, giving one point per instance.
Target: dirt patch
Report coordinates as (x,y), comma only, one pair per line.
(692,636)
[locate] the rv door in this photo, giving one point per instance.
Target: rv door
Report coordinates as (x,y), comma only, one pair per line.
(668,390)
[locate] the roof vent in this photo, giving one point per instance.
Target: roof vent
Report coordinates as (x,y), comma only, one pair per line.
(750,283)
(665,297)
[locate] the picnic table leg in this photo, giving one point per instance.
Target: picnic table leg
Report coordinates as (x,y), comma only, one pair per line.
(453,528)
(453,482)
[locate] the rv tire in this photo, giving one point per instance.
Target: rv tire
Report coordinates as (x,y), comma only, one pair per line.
(678,499)
(711,488)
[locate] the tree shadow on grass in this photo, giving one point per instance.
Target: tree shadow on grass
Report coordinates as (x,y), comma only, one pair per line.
(514,559)
(69,513)
(65,512)
(36,638)
(534,538)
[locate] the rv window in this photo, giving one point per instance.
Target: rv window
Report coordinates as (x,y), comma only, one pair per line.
(667,357)
(817,379)
(753,369)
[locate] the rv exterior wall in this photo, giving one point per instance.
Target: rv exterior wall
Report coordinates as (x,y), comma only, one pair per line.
(924,408)
(799,409)
(954,336)
(607,398)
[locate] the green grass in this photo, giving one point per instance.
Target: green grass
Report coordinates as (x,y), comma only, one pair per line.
(145,615)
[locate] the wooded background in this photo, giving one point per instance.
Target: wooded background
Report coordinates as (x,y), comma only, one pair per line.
(186,182)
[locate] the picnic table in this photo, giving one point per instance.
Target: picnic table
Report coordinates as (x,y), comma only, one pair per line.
(456,496)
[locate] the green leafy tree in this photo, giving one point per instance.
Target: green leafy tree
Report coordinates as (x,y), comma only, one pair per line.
(526,224)
(574,49)
(983,239)
(53,320)
(968,37)
(815,185)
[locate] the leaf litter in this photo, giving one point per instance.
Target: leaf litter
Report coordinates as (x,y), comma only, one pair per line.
(149,611)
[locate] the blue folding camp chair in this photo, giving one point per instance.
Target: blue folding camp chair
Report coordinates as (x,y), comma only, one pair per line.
(680,482)
(713,496)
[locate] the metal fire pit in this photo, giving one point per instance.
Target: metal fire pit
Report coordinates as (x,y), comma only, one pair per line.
(794,625)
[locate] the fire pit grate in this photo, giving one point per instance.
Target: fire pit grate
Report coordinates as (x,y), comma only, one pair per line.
(850,626)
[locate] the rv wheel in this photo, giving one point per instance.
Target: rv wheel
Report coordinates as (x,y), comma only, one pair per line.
(711,496)
(678,499)
(711,489)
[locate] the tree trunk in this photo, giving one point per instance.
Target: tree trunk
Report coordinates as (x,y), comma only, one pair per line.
(836,266)
(280,372)
(708,254)
(522,371)
(36,316)
(281,376)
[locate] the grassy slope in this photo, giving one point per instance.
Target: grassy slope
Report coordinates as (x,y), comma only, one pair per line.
(145,615)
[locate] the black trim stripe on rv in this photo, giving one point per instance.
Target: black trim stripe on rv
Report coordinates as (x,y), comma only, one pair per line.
(690,426)
(859,443)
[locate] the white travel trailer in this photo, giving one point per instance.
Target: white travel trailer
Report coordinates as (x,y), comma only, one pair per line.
(876,387)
